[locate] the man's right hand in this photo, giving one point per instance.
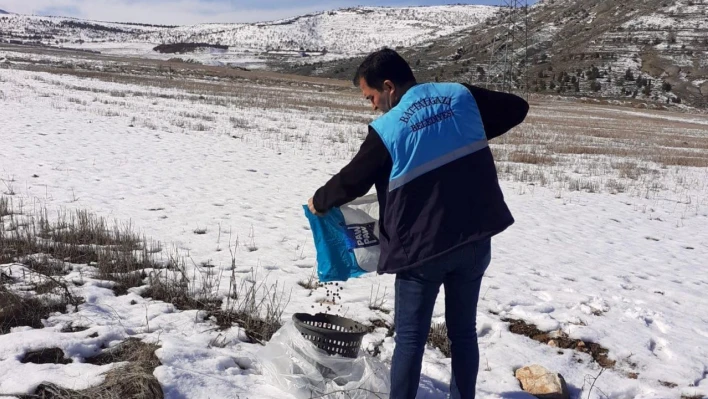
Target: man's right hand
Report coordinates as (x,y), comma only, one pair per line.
(311,205)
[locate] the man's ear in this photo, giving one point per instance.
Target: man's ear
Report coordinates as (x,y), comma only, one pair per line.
(388,85)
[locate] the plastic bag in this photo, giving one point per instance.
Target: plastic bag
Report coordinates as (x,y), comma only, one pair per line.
(347,239)
(298,367)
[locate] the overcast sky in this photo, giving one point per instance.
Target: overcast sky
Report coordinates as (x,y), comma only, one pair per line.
(178,12)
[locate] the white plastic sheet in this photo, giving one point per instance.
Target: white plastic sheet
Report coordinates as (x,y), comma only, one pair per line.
(298,367)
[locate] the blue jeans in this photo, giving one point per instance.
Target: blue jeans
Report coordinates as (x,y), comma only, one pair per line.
(416,291)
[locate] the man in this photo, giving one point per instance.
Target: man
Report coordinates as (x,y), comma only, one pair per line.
(440,204)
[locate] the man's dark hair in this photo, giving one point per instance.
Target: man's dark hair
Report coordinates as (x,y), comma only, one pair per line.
(382,65)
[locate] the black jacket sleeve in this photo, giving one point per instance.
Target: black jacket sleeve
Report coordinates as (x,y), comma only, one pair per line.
(500,111)
(356,178)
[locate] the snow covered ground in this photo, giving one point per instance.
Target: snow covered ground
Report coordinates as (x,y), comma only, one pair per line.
(623,268)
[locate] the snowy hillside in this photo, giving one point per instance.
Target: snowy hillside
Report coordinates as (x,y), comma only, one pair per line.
(345,31)
(644,51)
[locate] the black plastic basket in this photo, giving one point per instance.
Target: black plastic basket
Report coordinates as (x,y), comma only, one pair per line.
(333,334)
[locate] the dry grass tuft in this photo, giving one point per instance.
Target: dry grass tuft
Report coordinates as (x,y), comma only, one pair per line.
(437,338)
(5,207)
(257,307)
(559,339)
(123,257)
(530,158)
(134,380)
(84,228)
(175,288)
(18,311)
(45,356)
(45,246)
(311,283)
(130,350)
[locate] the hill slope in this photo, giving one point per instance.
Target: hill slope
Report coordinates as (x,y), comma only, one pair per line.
(651,50)
(345,31)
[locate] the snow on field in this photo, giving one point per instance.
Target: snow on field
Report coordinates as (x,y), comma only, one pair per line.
(625,271)
(245,58)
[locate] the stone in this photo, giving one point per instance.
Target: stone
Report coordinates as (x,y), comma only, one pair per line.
(704,89)
(542,383)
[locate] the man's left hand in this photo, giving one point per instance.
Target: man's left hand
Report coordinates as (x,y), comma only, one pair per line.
(311,205)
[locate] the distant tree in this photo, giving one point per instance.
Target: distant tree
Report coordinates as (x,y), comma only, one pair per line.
(672,37)
(666,86)
(647,88)
(628,75)
(595,86)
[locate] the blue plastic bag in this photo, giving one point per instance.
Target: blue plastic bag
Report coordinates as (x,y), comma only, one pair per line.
(346,240)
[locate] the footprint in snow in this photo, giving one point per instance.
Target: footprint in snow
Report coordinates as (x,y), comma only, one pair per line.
(660,348)
(628,287)
(242,271)
(545,309)
(544,296)
(485,330)
(703,333)
(663,327)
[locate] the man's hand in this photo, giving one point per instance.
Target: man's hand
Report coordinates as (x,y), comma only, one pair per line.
(311,205)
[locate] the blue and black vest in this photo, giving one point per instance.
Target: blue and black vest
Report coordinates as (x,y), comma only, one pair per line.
(443,191)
